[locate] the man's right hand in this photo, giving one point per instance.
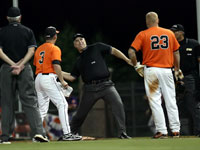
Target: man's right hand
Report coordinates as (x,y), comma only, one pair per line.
(64,84)
(140,69)
(178,75)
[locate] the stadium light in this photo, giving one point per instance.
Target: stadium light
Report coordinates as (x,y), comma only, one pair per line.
(15,3)
(198,18)
(198,23)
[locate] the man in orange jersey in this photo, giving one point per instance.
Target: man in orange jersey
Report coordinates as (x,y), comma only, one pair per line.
(160,53)
(47,61)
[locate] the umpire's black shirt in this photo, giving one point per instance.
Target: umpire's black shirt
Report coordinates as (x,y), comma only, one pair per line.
(189,52)
(91,64)
(15,39)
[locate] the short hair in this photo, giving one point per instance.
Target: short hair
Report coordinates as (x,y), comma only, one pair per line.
(152,17)
(49,38)
(14,19)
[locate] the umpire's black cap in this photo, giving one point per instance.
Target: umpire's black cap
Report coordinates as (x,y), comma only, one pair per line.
(77,35)
(50,31)
(177,27)
(14,12)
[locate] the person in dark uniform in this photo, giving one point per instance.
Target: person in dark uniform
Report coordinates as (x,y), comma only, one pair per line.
(17,46)
(189,62)
(92,67)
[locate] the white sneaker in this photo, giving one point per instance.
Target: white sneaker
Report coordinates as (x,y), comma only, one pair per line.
(4,142)
(70,137)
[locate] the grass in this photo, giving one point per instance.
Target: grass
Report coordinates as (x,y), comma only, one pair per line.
(186,143)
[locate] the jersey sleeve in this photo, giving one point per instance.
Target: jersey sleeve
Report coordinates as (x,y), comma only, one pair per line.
(56,54)
(137,43)
(197,49)
(104,48)
(31,41)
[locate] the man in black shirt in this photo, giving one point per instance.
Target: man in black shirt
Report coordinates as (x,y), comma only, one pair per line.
(189,62)
(17,46)
(92,67)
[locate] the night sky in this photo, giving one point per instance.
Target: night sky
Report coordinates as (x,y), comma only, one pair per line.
(118,20)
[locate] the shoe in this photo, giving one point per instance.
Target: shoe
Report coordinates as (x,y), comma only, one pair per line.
(159,135)
(40,138)
(124,136)
(70,137)
(4,141)
(175,134)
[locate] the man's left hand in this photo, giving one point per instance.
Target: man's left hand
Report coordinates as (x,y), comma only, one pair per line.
(17,69)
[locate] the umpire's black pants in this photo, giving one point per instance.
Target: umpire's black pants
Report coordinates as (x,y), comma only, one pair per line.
(192,99)
(24,84)
(91,94)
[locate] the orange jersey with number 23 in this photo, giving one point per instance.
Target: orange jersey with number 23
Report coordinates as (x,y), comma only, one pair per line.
(157,45)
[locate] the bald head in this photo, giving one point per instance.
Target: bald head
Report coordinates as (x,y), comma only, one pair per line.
(152,19)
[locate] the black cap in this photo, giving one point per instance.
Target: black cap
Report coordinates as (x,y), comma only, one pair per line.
(177,27)
(50,31)
(14,12)
(77,35)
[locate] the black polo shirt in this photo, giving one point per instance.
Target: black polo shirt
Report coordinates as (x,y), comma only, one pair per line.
(15,39)
(189,52)
(91,64)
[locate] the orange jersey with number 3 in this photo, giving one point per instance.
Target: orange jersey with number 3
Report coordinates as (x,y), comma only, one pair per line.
(157,45)
(44,56)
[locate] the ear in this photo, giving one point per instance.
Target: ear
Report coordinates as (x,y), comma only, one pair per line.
(55,37)
(20,18)
(158,21)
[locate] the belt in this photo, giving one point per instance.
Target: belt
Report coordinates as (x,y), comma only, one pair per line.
(97,81)
(159,67)
(148,66)
(45,73)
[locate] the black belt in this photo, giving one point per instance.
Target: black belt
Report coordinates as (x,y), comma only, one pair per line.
(159,67)
(97,81)
(45,73)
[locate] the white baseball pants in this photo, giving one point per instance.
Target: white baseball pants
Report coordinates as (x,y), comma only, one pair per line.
(159,82)
(48,89)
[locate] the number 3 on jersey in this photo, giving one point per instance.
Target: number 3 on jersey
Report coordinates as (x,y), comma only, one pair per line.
(161,42)
(42,57)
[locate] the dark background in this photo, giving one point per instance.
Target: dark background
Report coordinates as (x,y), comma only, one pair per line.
(118,20)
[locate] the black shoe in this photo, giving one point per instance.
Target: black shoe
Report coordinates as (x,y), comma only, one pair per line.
(124,136)
(4,141)
(175,134)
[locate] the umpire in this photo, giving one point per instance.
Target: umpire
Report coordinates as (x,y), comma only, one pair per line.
(92,67)
(189,62)
(17,45)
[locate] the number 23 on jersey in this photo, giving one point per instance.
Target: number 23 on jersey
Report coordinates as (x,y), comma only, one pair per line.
(159,42)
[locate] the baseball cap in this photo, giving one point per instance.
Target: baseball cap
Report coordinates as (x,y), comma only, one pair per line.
(50,31)
(177,27)
(14,12)
(77,35)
